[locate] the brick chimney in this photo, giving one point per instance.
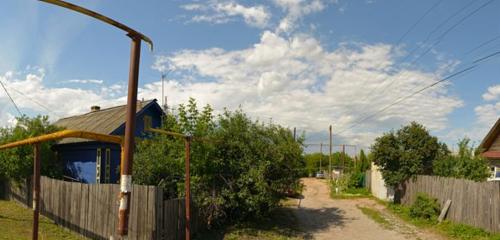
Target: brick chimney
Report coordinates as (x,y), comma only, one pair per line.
(95,108)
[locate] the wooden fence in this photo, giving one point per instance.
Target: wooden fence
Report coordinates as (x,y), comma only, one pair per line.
(92,209)
(472,203)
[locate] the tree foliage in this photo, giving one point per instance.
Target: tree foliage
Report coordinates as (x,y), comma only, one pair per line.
(405,153)
(241,169)
(364,163)
(313,163)
(17,163)
(467,164)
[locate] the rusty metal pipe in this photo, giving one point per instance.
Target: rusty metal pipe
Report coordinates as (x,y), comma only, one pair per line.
(36,190)
(188,187)
(128,151)
(187,143)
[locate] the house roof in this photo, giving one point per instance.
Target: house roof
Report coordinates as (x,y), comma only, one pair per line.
(103,121)
(490,137)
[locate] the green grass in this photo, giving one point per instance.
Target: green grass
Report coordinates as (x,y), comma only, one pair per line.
(16,223)
(350,193)
(280,225)
(451,230)
(375,216)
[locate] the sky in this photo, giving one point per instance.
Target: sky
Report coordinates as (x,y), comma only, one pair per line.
(305,64)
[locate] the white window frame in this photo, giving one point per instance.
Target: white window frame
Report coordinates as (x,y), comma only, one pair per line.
(494,173)
(98,165)
(107,168)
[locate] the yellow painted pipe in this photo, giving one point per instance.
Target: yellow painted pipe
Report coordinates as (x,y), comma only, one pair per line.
(64,134)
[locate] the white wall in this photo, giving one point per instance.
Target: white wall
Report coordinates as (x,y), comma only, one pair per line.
(377,185)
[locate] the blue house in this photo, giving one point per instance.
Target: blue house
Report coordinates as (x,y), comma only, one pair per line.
(91,161)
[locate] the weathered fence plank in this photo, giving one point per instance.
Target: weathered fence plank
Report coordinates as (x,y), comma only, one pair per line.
(473,203)
(92,209)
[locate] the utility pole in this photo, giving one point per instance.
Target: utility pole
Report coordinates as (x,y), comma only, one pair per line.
(330,154)
(128,148)
(343,157)
(163,91)
(294,133)
(321,156)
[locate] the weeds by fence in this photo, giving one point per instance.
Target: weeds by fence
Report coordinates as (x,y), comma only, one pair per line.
(473,203)
(92,209)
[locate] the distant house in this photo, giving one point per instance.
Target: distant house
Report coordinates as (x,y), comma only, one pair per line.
(490,149)
(91,161)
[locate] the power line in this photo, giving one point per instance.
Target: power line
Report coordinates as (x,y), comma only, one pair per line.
(483,44)
(35,102)
(476,64)
(418,21)
(12,100)
(437,28)
(441,37)
(406,97)
(438,40)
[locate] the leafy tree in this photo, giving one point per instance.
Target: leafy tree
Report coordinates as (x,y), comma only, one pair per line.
(313,164)
(17,163)
(467,164)
(241,169)
(405,153)
(364,162)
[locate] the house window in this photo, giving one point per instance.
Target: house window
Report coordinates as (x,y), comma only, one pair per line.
(98,166)
(495,175)
(107,174)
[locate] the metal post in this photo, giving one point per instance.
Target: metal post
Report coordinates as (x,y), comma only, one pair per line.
(163,91)
(330,154)
(128,151)
(36,190)
(188,187)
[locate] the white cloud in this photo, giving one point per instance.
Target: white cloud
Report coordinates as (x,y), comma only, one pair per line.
(493,93)
(295,10)
(85,81)
(298,83)
(487,114)
(6,118)
(218,12)
(31,94)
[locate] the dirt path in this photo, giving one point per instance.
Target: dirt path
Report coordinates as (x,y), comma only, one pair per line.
(321,217)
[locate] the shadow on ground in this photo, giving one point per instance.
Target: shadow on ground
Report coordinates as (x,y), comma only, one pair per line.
(282,222)
(317,220)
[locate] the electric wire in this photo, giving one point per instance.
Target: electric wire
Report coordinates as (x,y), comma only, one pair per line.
(35,102)
(438,40)
(401,99)
(418,21)
(11,99)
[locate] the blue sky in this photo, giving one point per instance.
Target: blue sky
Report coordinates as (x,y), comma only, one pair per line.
(302,63)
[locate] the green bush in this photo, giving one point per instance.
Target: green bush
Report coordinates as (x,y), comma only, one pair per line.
(356,180)
(241,169)
(424,207)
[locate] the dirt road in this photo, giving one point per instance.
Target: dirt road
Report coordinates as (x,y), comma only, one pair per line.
(321,217)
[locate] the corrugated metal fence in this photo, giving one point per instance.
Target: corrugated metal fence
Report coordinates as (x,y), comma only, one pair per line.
(472,203)
(92,209)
